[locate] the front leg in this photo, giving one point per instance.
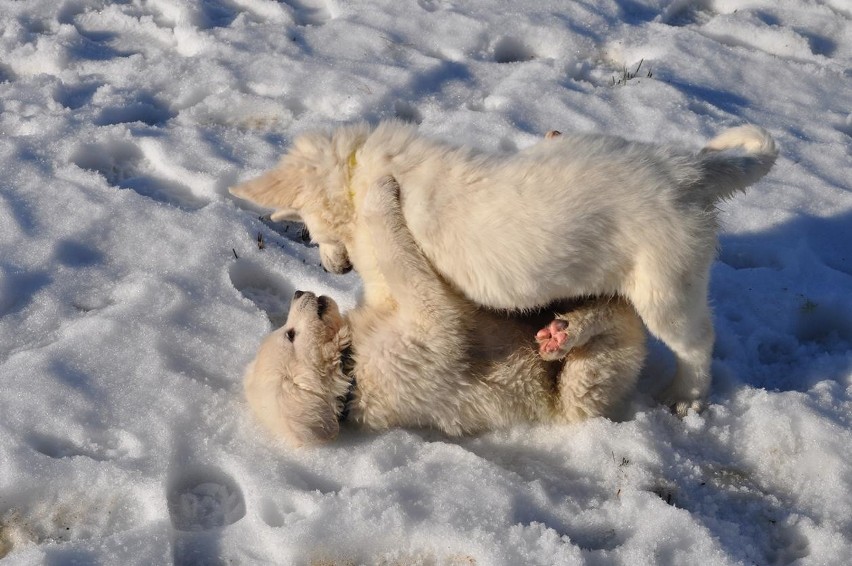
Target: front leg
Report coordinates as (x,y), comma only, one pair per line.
(412,281)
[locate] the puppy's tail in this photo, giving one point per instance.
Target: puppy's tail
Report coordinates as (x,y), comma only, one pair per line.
(735,159)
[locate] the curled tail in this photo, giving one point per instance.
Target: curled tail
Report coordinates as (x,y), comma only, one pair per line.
(735,159)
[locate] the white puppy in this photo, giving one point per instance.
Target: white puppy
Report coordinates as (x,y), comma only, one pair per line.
(579,215)
(428,357)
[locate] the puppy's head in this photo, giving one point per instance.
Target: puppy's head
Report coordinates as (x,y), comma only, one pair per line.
(295,383)
(311,185)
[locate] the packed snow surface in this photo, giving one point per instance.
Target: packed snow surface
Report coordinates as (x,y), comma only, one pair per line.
(133,290)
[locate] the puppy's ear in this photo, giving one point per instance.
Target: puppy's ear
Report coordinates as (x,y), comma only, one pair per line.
(274,189)
(321,428)
(303,417)
(288,400)
(311,418)
(286,215)
(344,336)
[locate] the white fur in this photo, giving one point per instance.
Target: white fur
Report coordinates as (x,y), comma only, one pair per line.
(428,357)
(578,215)
(293,387)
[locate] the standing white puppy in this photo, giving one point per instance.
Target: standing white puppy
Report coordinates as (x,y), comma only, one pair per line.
(578,215)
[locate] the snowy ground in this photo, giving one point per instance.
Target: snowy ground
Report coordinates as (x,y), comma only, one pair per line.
(133,292)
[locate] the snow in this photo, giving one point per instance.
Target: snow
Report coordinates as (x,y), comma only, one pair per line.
(133,291)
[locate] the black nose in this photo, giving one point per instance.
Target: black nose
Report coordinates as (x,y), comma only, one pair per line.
(298,294)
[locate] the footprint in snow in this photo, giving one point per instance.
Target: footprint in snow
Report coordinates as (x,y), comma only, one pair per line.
(433,5)
(846,126)
(271,514)
(142,108)
(74,96)
(407,112)
(512,50)
(114,445)
(310,12)
(744,258)
(682,14)
(7,75)
(123,165)
(825,323)
(212,14)
(203,499)
(270,292)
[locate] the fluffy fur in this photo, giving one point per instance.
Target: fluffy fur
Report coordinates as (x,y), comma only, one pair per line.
(578,215)
(428,357)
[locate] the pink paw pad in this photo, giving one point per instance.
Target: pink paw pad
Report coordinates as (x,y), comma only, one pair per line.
(552,337)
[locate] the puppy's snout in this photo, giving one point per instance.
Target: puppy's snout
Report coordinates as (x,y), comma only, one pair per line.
(298,294)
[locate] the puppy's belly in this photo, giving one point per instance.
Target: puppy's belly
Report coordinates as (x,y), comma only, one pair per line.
(522,245)
(511,272)
(520,291)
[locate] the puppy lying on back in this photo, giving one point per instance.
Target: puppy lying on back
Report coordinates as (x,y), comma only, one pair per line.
(428,357)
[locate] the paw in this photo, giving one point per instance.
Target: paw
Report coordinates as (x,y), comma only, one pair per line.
(382,196)
(682,408)
(680,404)
(554,340)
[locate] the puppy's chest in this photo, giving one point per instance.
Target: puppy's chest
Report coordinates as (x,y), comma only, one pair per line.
(382,358)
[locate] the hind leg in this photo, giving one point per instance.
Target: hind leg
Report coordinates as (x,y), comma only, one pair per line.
(598,377)
(601,343)
(676,312)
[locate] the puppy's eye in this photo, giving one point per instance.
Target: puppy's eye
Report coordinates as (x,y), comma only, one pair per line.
(291,334)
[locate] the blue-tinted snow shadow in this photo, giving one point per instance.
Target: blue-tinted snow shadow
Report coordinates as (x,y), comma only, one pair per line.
(7,75)
(95,46)
(73,253)
(19,209)
(403,103)
(633,12)
(140,107)
(57,555)
(19,288)
(723,100)
(74,96)
(783,303)
(700,475)
(434,79)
